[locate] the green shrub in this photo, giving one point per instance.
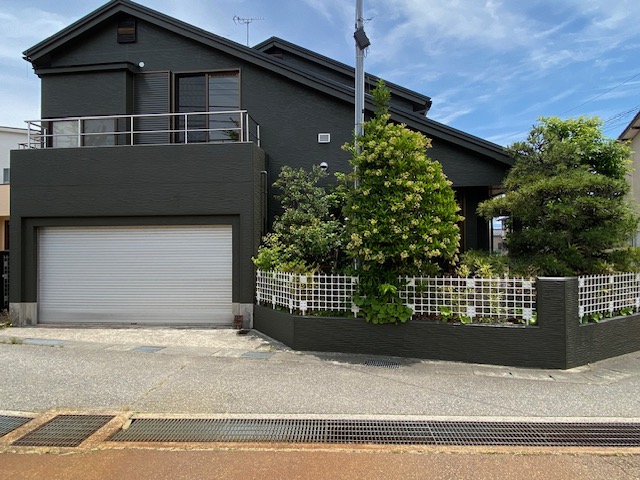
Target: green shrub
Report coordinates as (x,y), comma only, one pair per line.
(402,218)
(307,236)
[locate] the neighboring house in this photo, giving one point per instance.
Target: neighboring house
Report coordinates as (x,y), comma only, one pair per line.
(632,135)
(147,186)
(10,139)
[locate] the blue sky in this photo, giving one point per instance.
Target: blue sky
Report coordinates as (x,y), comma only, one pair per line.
(491,67)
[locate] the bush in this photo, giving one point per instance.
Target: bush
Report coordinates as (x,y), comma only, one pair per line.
(306,237)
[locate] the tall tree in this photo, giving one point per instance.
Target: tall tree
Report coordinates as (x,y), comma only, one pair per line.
(402,219)
(565,197)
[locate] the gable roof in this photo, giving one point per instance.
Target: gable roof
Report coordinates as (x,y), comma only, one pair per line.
(39,52)
(632,129)
(423,102)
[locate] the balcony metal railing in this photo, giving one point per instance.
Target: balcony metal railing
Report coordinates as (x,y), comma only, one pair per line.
(232,126)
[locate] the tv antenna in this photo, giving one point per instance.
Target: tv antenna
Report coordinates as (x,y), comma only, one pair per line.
(237,20)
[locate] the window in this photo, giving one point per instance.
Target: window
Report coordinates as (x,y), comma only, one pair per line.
(99,132)
(6,175)
(65,134)
(211,93)
(95,133)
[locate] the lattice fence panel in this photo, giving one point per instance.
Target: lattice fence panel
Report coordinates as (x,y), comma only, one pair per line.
(608,293)
(506,298)
(306,293)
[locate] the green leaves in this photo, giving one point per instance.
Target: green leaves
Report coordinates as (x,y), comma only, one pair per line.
(307,236)
(565,197)
(402,219)
(403,216)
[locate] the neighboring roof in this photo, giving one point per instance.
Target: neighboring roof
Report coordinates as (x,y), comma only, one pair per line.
(341,68)
(632,129)
(22,131)
(41,50)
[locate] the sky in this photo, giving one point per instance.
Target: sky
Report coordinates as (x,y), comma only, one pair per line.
(491,67)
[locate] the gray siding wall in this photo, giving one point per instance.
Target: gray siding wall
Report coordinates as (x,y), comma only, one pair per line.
(140,185)
(66,95)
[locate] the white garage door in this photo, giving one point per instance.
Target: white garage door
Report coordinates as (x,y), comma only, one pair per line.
(135,275)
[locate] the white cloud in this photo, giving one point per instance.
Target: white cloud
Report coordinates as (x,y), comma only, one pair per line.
(17,38)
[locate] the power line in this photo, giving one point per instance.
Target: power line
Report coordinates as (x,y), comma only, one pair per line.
(584,103)
(603,93)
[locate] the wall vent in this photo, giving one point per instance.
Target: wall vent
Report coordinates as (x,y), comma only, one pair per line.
(324,138)
(127,31)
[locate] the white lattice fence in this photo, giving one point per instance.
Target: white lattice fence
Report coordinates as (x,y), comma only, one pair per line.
(502,298)
(306,293)
(506,298)
(608,293)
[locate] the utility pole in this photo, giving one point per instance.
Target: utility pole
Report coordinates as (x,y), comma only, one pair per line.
(362,42)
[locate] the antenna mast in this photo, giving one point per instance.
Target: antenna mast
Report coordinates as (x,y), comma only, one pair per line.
(237,20)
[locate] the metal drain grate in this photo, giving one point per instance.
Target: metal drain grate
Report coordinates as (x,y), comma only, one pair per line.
(9,423)
(264,355)
(382,363)
(43,342)
(64,431)
(147,349)
(385,432)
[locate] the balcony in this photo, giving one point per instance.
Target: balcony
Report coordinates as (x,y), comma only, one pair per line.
(233,126)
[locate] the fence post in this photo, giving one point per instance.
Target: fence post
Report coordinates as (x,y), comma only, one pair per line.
(557,307)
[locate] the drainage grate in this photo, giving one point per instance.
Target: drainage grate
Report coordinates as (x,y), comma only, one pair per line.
(382,363)
(147,349)
(386,432)
(64,431)
(9,423)
(264,355)
(42,342)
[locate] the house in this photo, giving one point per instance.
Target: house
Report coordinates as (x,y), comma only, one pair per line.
(10,139)
(631,134)
(147,184)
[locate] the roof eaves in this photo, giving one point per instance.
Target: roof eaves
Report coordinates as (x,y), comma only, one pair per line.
(632,129)
(453,135)
(83,24)
(339,67)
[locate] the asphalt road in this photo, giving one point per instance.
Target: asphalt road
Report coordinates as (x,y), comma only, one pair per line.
(225,373)
(213,373)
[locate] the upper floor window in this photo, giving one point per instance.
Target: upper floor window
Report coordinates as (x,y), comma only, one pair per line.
(218,94)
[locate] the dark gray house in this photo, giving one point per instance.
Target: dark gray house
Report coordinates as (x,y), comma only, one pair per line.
(146,187)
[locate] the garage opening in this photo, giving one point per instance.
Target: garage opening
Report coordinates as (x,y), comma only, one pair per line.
(166,275)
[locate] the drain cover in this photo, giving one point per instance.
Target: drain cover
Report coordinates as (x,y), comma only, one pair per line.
(64,431)
(9,423)
(264,355)
(387,432)
(42,342)
(147,349)
(382,363)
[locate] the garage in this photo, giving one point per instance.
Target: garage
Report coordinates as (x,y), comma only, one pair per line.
(167,275)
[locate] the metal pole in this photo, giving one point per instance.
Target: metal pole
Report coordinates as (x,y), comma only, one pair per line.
(359,87)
